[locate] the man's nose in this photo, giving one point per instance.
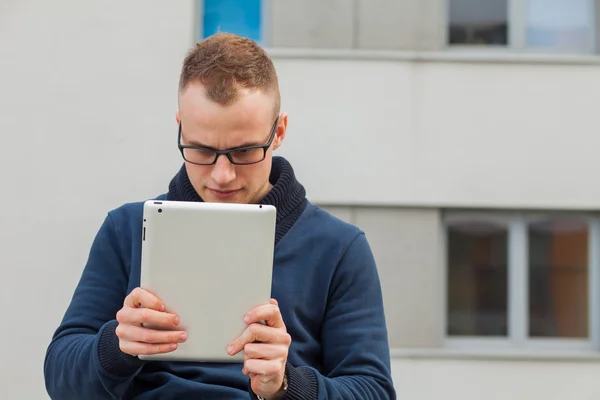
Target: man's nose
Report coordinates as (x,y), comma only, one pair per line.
(223,171)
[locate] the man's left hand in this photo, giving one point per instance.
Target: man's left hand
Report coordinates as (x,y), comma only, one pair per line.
(266,350)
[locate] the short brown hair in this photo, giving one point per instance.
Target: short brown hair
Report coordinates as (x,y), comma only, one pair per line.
(224,63)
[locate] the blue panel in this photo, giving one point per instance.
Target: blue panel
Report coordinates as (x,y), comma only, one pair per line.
(242,17)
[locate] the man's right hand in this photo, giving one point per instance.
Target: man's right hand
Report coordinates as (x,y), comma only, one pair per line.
(142,307)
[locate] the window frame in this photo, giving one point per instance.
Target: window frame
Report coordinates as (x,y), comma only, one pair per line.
(265,22)
(518,284)
(517,33)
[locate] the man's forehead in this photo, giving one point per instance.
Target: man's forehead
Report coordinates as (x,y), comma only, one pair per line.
(247,103)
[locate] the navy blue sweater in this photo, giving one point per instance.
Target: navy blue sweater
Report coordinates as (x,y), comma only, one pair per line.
(324,279)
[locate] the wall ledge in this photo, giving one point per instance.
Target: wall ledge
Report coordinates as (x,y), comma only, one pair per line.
(495,355)
(481,56)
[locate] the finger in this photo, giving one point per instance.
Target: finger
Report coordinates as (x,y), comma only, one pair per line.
(142,298)
(139,316)
(137,348)
(269,313)
(265,368)
(274,302)
(251,376)
(253,333)
(245,372)
(265,351)
(135,333)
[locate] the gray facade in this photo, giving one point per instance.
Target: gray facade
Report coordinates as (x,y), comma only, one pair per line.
(358,24)
(408,25)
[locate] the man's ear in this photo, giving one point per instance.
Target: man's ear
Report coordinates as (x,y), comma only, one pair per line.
(280,131)
(177,117)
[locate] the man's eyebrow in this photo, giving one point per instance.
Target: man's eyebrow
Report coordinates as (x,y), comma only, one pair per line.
(195,143)
(248,143)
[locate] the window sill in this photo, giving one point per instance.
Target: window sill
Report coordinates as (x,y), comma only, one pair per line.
(494,56)
(495,355)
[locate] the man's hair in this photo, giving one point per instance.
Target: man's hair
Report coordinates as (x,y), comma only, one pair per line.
(224,63)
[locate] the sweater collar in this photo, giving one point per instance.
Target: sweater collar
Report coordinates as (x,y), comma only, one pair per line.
(287,195)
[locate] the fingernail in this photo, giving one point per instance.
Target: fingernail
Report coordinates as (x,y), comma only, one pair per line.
(183,337)
(247,319)
(175,321)
(230,348)
(173,346)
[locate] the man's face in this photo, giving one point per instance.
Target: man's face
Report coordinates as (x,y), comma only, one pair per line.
(248,121)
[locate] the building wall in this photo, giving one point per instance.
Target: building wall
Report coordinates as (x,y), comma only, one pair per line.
(358,24)
(495,379)
(443,130)
(87,122)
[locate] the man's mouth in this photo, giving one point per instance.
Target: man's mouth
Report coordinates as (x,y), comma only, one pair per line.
(223,194)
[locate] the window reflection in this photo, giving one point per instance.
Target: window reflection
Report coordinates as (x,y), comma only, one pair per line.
(558,278)
(477,279)
(483,22)
(559,24)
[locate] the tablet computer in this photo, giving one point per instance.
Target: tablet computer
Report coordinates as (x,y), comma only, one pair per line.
(210,263)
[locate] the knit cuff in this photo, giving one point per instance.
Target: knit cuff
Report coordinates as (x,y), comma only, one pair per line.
(302,384)
(112,359)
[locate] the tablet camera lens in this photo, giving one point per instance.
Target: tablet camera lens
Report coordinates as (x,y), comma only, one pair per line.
(260,206)
(160,210)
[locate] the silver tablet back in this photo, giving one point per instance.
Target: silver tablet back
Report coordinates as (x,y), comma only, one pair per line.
(209,263)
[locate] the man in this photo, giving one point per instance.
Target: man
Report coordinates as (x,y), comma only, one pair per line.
(325,334)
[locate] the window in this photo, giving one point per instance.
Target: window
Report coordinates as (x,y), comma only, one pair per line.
(477,278)
(532,25)
(479,22)
(558,265)
(242,17)
(523,279)
(560,25)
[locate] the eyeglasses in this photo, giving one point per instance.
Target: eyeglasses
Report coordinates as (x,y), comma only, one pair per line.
(238,155)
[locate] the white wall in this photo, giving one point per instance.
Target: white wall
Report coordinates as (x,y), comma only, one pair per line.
(442,133)
(452,379)
(87,102)
(357,24)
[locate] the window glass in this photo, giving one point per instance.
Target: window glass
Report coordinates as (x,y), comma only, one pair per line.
(558,278)
(560,24)
(478,22)
(477,279)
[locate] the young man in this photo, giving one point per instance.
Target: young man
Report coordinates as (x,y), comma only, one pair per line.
(325,336)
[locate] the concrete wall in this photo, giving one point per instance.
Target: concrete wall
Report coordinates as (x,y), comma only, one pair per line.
(437,130)
(400,24)
(495,379)
(312,23)
(87,122)
(358,24)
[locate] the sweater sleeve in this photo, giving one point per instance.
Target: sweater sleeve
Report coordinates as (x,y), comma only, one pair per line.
(83,358)
(356,355)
